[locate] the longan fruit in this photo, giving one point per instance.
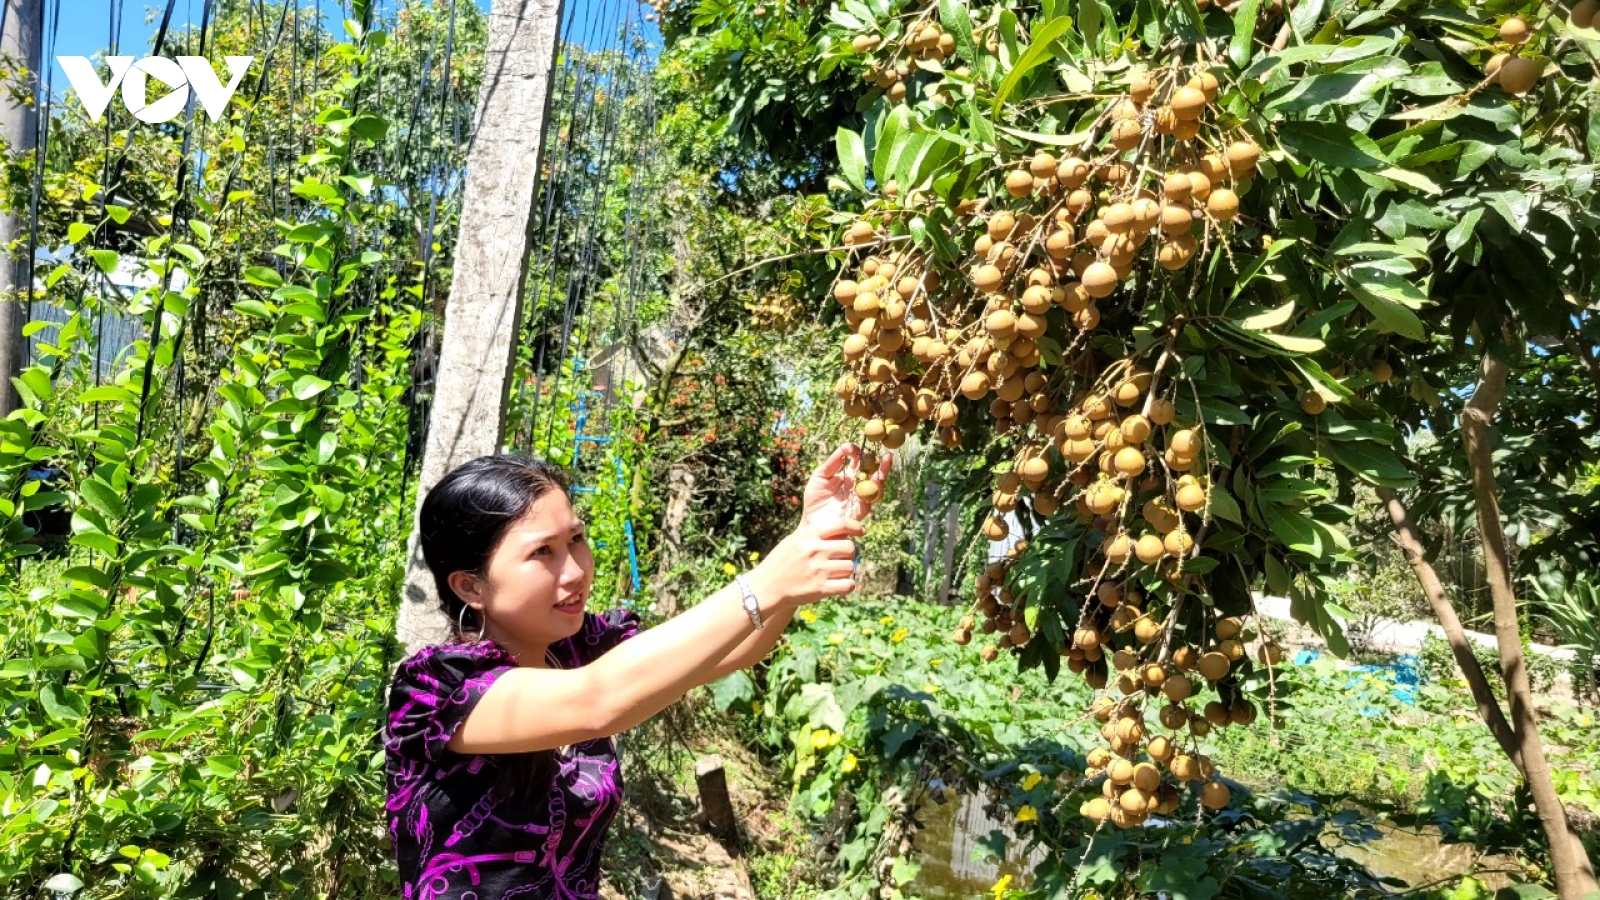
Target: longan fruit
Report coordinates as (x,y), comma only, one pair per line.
(1096,809)
(1229,628)
(1213,666)
(1215,795)
(1177,688)
(1149,549)
(1312,403)
(1146,777)
(1515,31)
(1019,183)
(1173,716)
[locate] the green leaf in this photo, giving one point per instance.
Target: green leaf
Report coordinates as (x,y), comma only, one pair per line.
(953,16)
(118,214)
(77,231)
(1463,230)
(1331,144)
(102,497)
(1223,505)
(261,276)
(1372,463)
(1245,19)
(1272,318)
(852,158)
(895,124)
(1037,52)
(1382,296)
(1292,529)
(113,393)
(308,386)
(107,260)
(254,308)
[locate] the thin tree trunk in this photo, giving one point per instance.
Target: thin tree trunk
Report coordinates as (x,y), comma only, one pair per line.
(1574,875)
(1488,707)
(18,126)
(490,272)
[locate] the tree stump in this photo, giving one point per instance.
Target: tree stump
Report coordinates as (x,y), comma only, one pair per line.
(715,801)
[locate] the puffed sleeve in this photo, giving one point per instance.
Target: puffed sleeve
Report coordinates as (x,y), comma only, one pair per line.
(432,693)
(606,630)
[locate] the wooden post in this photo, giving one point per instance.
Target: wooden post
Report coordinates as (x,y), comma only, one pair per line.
(19,126)
(715,800)
(476,353)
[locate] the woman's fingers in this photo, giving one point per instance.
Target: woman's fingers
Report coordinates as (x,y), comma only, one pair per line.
(837,586)
(834,464)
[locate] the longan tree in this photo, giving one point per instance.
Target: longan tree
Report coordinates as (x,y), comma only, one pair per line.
(1190,272)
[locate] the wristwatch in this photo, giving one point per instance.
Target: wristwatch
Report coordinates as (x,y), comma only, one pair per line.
(751,605)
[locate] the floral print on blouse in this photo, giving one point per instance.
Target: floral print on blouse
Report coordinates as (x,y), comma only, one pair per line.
(454,837)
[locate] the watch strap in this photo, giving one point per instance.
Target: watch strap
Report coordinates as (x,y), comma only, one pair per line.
(751,604)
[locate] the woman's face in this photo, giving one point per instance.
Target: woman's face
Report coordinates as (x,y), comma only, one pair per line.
(538,579)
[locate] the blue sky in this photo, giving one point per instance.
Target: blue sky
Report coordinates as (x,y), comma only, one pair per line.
(85,25)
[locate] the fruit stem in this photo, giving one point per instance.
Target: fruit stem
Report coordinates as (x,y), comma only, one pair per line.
(1176,328)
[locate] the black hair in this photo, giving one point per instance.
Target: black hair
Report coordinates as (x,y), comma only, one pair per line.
(463,520)
(467,514)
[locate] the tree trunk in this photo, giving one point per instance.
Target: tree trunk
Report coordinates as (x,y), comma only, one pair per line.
(490,271)
(1574,875)
(1488,707)
(681,481)
(18,126)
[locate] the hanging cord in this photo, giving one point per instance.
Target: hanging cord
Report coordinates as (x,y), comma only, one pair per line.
(42,100)
(577,287)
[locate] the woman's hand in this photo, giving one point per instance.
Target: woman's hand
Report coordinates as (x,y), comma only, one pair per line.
(831,492)
(816,560)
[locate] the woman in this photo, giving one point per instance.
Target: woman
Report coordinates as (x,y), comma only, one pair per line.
(503,777)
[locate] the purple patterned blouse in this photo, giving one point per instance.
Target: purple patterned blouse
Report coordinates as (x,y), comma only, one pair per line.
(454,839)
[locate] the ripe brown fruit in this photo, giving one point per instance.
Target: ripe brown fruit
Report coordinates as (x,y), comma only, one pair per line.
(1142,87)
(1515,31)
(1242,158)
(1162,411)
(975,385)
(1173,716)
(1147,630)
(1001,224)
(1213,666)
(1215,795)
(1096,809)
(1229,628)
(1001,324)
(1206,84)
(1185,657)
(1146,777)
(1177,543)
(1312,403)
(1149,549)
(845,292)
(1381,371)
(1583,13)
(1223,205)
(1519,74)
(1019,183)
(1191,497)
(1100,280)
(1185,768)
(1187,103)
(1129,462)
(868,491)
(1184,442)
(1043,165)
(986,277)
(1177,688)
(1118,549)
(1126,134)
(1176,219)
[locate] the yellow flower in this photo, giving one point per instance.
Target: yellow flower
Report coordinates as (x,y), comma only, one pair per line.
(849,763)
(755,707)
(728,569)
(1027,814)
(819,739)
(833,738)
(886,620)
(898,636)
(836,638)
(866,632)
(808,615)
(936,662)
(930,688)
(1585,721)
(1032,781)
(755,555)
(1001,886)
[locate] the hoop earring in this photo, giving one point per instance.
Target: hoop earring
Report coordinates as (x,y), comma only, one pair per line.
(461,627)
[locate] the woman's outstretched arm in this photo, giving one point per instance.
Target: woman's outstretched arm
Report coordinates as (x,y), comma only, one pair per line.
(529,709)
